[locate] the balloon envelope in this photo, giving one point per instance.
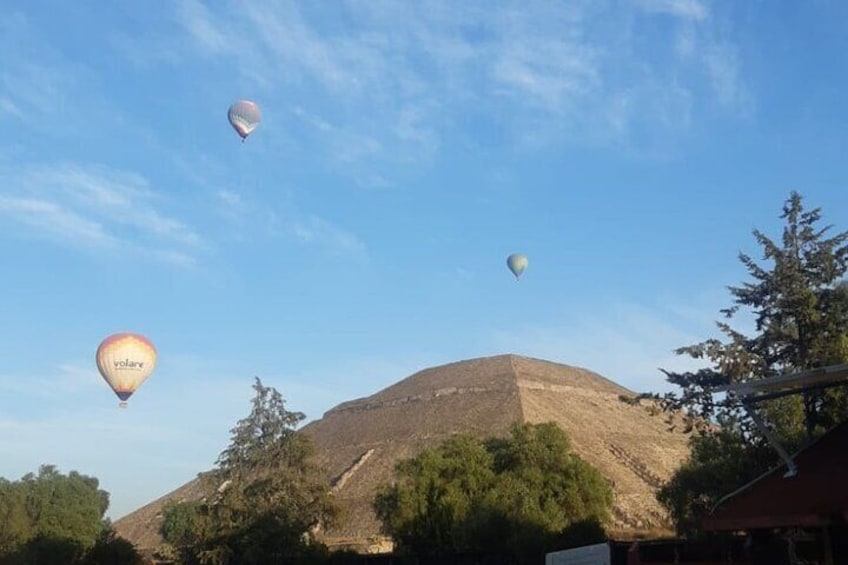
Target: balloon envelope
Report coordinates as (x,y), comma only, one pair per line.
(125,360)
(244,116)
(517,262)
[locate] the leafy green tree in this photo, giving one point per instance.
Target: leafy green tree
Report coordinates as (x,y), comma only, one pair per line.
(513,496)
(15,526)
(538,458)
(799,305)
(51,518)
(543,488)
(720,461)
(65,506)
(111,549)
(51,506)
(182,529)
(580,533)
(426,511)
(46,550)
(264,498)
(181,523)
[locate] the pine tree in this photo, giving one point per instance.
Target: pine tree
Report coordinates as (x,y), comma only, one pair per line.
(800,308)
(799,303)
(264,497)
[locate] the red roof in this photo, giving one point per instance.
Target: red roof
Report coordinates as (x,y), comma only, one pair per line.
(818,491)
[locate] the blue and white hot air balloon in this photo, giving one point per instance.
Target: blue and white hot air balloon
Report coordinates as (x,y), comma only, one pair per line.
(517,262)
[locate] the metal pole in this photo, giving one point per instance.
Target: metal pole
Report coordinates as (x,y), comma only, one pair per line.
(792,468)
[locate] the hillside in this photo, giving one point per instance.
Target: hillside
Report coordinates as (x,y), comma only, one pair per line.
(358,442)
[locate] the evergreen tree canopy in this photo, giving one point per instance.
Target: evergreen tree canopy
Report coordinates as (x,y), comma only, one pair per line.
(264,497)
(798,303)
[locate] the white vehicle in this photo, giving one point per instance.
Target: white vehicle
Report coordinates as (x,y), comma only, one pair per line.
(598,554)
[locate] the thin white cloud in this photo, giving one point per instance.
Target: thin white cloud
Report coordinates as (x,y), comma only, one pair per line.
(202,27)
(9,107)
(315,121)
(76,375)
(701,46)
(32,90)
(230,199)
(176,258)
(350,147)
(346,146)
(125,198)
(723,68)
(64,378)
(248,216)
(548,72)
(289,38)
(94,206)
(372,181)
(685,9)
(316,230)
(42,86)
(685,41)
(413,127)
(244,217)
(400,78)
(55,220)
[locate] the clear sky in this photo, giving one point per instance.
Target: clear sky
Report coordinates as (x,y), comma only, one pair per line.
(360,234)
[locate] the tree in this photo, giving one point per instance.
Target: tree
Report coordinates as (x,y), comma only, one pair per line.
(46,550)
(799,305)
(720,461)
(264,498)
(15,525)
(514,496)
(182,529)
(54,518)
(566,488)
(69,507)
(111,549)
(426,511)
(52,506)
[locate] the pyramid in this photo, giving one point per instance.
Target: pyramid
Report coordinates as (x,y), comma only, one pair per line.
(359,442)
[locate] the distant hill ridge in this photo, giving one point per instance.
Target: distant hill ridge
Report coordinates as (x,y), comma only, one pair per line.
(358,442)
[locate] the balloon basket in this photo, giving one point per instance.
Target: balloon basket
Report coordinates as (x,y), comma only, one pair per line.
(122,404)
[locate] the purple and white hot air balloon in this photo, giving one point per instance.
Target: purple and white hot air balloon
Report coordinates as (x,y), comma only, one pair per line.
(244,116)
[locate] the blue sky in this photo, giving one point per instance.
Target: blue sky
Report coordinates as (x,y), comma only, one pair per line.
(360,234)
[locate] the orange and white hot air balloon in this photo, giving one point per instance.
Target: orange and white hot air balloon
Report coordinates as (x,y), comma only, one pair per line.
(125,360)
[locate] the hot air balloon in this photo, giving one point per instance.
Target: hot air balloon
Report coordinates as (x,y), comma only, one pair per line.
(244,117)
(125,360)
(517,262)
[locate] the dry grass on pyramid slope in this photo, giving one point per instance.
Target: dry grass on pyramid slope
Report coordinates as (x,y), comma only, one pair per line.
(141,527)
(630,445)
(359,442)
